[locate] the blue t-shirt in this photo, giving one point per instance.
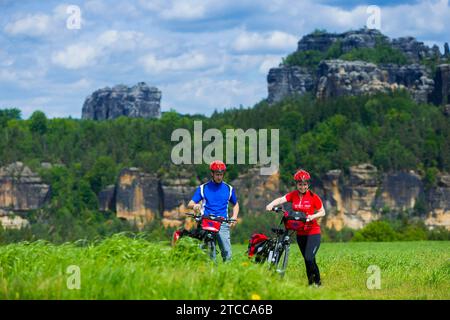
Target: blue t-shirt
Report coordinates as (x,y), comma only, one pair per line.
(215,198)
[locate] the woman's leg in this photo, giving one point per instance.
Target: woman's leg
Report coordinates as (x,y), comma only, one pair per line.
(312,246)
(309,245)
(302,241)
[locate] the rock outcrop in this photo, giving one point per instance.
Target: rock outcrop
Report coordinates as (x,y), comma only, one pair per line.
(438,199)
(9,220)
(351,200)
(441,94)
(21,190)
(339,78)
(139,101)
(140,197)
(365,194)
(288,81)
(336,77)
(322,41)
(255,191)
(137,196)
(415,50)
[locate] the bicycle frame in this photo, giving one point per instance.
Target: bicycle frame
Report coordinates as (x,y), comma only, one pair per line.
(279,249)
(205,232)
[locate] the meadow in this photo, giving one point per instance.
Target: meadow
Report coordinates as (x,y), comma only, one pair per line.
(123,267)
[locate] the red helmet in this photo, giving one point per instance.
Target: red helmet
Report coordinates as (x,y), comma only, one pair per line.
(302,175)
(217,165)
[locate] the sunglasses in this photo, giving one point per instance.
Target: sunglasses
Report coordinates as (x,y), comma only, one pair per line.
(302,183)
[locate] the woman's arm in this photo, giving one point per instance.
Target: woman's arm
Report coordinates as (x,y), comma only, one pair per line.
(276,202)
(318,214)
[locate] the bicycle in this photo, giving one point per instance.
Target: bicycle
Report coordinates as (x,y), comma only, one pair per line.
(278,247)
(207,230)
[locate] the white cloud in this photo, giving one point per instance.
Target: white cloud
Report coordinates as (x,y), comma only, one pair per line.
(184,62)
(30,25)
(125,40)
(423,18)
(76,56)
(84,54)
(39,24)
(178,9)
(5,59)
(268,63)
(206,94)
(191,9)
(270,41)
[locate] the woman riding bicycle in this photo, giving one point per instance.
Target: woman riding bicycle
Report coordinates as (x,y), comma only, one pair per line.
(308,235)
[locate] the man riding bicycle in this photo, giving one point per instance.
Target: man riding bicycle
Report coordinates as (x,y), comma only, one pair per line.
(308,235)
(212,198)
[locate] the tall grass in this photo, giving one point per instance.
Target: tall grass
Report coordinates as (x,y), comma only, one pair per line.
(121,267)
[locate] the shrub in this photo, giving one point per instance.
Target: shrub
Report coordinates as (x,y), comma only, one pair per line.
(376,231)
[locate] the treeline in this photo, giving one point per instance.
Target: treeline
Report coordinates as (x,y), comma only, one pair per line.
(382,52)
(389,130)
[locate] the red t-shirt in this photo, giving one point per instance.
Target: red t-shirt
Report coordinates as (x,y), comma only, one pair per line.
(308,204)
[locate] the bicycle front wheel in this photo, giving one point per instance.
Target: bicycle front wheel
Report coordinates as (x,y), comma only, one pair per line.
(211,249)
(282,261)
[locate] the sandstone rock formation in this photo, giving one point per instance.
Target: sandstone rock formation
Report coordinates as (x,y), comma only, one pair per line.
(255,191)
(176,194)
(365,194)
(288,81)
(141,197)
(337,77)
(21,190)
(139,101)
(441,94)
(137,196)
(322,41)
(351,200)
(9,220)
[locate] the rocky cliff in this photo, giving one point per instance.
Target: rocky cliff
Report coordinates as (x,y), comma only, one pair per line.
(351,200)
(336,77)
(139,101)
(21,190)
(141,197)
(365,194)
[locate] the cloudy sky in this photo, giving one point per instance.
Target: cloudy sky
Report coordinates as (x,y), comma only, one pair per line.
(202,54)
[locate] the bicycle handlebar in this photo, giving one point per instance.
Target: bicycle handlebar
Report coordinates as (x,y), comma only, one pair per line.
(211,217)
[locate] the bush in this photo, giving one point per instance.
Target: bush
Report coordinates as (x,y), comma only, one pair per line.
(439,233)
(376,231)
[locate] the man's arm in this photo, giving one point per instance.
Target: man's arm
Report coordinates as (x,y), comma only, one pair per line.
(195,206)
(235,212)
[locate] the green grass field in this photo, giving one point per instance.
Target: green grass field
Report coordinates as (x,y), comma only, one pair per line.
(125,268)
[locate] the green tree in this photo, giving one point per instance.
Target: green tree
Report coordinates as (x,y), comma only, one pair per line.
(103,173)
(38,123)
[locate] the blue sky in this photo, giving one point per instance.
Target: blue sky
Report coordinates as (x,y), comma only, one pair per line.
(202,54)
